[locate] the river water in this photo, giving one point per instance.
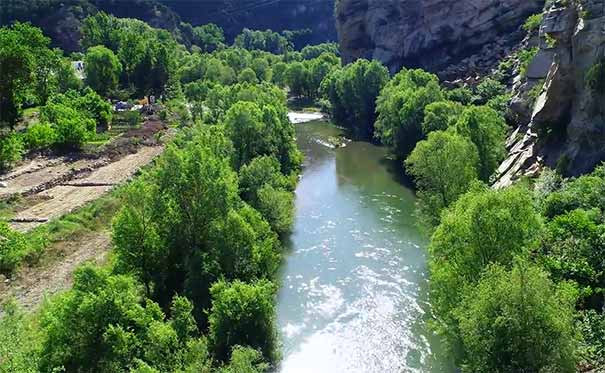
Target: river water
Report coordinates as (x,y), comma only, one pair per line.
(353,296)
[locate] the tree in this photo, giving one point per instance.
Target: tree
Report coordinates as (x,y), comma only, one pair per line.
(483,227)
(401,107)
(247,76)
(297,78)
(102,69)
(208,37)
(137,243)
(352,92)
(242,314)
(104,324)
(440,115)
(66,77)
(19,47)
(443,167)
(518,320)
(487,130)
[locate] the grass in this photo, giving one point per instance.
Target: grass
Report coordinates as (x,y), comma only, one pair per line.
(93,217)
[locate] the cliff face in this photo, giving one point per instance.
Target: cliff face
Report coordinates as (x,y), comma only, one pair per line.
(431,34)
(566,125)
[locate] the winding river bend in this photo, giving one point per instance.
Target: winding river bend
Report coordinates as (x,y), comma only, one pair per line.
(353,296)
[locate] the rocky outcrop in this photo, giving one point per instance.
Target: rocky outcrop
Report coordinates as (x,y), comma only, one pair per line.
(431,34)
(566,129)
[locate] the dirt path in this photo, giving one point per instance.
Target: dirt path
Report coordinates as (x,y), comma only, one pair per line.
(72,194)
(29,286)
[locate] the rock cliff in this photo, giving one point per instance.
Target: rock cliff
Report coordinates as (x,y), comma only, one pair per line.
(566,125)
(431,34)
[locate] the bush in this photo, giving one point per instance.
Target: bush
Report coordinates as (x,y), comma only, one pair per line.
(440,115)
(40,136)
(595,77)
(13,248)
(533,22)
(11,150)
(72,133)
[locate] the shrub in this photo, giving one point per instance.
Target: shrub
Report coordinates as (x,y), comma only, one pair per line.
(13,248)
(40,136)
(11,150)
(595,77)
(533,22)
(72,133)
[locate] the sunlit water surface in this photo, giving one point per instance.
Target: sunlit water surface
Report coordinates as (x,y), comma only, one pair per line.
(353,296)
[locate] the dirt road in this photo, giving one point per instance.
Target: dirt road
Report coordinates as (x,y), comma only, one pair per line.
(81,188)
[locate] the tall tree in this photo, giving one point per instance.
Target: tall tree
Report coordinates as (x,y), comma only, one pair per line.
(102,69)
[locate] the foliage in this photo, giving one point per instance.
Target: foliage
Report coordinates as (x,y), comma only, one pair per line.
(267,40)
(103,324)
(242,314)
(595,77)
(533,22)
(585,192)
(400,109)
(518,320)
(352,92)
(102,69)
(13,247)
(487,90)
(40,136)
(20,341)
(208,37)
(27,66)
(572,249)
(310,52)
(487,130)
(443,167)
(440,115)
(483,227)
(525,57)
(245,360)
(247,76)
(11,150)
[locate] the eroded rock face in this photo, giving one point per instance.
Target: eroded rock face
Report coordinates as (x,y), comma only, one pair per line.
(426,33)
(567,125)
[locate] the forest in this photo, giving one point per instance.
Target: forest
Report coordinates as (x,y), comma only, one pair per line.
(198,237)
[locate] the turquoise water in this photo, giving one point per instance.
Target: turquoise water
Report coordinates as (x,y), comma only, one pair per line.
(353,296)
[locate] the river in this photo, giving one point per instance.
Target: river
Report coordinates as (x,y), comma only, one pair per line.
(353,296)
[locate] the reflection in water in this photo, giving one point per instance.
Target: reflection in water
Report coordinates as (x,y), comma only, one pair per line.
(353,295)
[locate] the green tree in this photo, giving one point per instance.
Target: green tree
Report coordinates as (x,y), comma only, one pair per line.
(297,79)
(483,227)
(443,167)
(242,314)
(247,76)
(102,69)
(352,92)
(518,321)
(439,116)
(137,243)
(487,130)
(401,107)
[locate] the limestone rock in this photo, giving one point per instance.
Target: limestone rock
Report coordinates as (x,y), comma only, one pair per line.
(428,33)
(571,113)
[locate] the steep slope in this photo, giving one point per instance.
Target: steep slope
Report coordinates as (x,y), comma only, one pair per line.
(431,34)
(278,15)
(566,125)
(62,19)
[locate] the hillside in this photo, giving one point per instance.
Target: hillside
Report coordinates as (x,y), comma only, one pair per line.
(61,20)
